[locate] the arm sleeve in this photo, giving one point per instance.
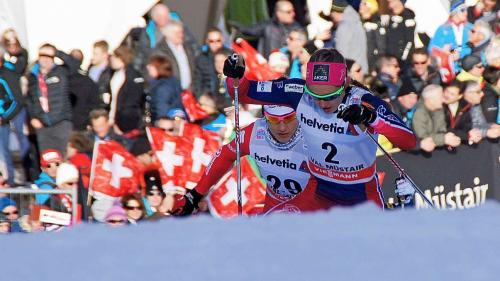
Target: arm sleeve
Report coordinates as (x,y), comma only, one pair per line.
(223,161)
(389,124)
(70,62)
(255,30)
(287,92)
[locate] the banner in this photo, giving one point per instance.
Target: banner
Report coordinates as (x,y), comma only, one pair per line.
(445,62)
(256,65)
(183,158)
(193,108)
(223,199)
(461,179)
(115,172)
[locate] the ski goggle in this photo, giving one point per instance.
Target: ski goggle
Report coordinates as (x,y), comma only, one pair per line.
(327,97)
(275,120)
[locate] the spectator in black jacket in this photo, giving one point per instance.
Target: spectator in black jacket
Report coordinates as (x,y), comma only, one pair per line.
(205,76)
(388,74)
(16,57)
(400,27)
(421,73)
(84,95)
(127,93)
(48,99)
(273,32)
(179,53)
(406,103)
(375,33)
(102,130)
(456,110)
(99,61)
(164,89)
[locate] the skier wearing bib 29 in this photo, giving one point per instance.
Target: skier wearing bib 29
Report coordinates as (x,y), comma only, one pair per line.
(277,145)
(334,113)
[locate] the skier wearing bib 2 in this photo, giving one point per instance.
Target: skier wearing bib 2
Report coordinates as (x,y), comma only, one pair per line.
(333,112)
(277,145)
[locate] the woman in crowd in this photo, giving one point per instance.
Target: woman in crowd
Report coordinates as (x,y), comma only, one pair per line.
(134,207)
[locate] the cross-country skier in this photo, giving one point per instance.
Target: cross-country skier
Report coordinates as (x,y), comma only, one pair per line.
(277,145)
(334,113)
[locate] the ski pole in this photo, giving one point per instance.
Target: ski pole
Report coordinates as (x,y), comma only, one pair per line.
(401,170)
(237,138)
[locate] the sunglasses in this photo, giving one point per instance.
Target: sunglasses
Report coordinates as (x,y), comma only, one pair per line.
(11,213)
(154,193)
(419,62)
(275,120)
(327,97)
(130,208)
(45,55)
(214,41)
(115,221)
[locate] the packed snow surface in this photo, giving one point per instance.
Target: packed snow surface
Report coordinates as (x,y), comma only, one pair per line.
(361,243)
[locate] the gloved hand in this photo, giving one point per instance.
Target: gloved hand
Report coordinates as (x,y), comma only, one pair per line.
(187,204)
(357,114)
(404,190)
(234,66)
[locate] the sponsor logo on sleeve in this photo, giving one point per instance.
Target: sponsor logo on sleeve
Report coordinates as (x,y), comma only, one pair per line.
(296,88)
(264,86)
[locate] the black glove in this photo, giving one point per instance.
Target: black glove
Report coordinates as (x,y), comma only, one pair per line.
(234,66)
(191,200)
(357,114)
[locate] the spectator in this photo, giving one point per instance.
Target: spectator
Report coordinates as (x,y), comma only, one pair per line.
(278,62)
(354,70)
(492,52)
(456,109)
(273,32)
(102,130)
(16,57)
(219,59)
(216,121)
(347,34)
(491,99)
(12,112)
(453,35)
(99,62)
(422,73)
(406,103)
(49,163)
(78,151)
(473,94)
(150,36)
(127,93)
(484,10)
(375,33)
(9,209)
(4,224)
(154,191)
(388,74)
(67,178)
(429,123)
(84,95)
(479,38)
(48,100)
(180,55)
(164,89)
(295,42)
(205,76)
(134,207)
(171,123)
(116,216)
(472,69)
(400,30)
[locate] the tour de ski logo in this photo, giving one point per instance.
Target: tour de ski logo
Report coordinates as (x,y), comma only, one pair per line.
(321,72)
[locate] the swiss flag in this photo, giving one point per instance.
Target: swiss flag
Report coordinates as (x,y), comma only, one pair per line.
(223,199)
(193,109)
(183,158)
(256,65)
(445,63)
(115,172)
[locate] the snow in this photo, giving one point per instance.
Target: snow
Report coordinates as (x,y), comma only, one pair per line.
(360,243)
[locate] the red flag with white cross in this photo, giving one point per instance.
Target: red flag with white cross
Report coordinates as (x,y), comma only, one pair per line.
(257,67)
(183,158)
(115,172)
(223,199)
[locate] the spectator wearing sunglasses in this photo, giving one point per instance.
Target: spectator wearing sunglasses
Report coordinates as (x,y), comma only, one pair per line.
(50,160)
(134,207)
(421,73)
(205,74)
(116,215)
(8,207)
(154,191)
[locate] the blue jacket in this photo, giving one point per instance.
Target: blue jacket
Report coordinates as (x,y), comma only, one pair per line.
(165,94)
(445,36)
(43,182)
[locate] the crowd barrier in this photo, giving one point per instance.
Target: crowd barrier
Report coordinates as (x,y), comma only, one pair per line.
(459,179)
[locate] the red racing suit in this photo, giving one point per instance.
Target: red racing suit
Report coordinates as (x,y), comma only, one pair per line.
(340,155)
